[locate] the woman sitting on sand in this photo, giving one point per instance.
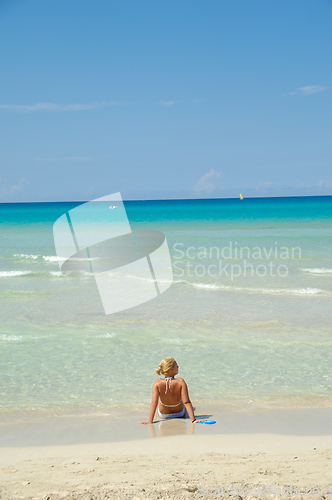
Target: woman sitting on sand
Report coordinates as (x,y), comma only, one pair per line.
(169,395)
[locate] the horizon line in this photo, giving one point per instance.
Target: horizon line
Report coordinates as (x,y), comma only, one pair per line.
(181,199)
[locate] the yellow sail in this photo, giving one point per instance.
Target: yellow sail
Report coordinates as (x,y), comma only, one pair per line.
(241,197)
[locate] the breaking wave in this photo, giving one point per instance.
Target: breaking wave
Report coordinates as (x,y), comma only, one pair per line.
(317,270)
(290,291)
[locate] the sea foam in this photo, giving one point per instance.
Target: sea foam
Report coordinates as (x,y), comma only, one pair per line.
(292,291)
(317,270)
(50,258)
(10,274)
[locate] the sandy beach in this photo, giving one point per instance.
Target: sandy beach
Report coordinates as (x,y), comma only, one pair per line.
(175,459)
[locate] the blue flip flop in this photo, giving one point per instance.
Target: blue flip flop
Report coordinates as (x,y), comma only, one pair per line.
(208,422)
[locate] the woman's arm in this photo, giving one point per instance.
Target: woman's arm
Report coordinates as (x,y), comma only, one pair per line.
(187,403)
(154,404)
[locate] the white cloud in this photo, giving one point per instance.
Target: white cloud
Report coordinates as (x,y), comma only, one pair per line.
(8,193)
(206,183)
(19,186)
(310,89)
(323,184)
(169,103)
(47,106)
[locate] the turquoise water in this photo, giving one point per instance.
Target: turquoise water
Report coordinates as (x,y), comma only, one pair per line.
(248,316)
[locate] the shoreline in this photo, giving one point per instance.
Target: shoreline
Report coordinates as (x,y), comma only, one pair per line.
(119,427)
(22,414)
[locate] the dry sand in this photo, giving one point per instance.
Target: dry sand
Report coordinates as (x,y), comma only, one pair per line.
(176,466)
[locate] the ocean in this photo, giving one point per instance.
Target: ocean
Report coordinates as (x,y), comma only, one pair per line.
(248,316)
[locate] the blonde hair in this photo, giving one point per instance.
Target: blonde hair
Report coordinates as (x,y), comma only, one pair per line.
(165,366)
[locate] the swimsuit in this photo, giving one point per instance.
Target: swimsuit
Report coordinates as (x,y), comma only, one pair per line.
(171,415)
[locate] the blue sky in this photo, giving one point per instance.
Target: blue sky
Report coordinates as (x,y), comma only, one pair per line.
(156,99)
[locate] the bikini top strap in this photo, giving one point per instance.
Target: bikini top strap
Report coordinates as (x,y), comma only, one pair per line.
(168,383)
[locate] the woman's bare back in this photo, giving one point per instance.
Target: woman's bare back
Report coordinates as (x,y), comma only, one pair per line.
(170,393)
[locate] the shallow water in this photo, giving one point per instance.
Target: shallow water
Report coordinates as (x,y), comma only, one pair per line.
(248,316)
